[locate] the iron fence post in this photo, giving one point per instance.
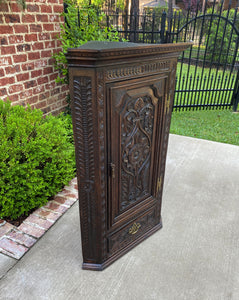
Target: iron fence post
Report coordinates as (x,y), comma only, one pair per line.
(162,31)
(65,6)
(65,11)
(117,19)
(107,22)
(235,97)
(152,32)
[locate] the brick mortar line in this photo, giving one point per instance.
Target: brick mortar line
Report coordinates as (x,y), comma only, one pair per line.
(36,225)
(41,217)
(61,204)
(18,242)
(7,232)
(5,252)
(6,236)
(49,210)
(38,25)
(3,223)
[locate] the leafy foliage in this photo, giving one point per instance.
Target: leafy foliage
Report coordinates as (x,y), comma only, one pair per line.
(221,38)
(96,3)
(81,25)
(36,158)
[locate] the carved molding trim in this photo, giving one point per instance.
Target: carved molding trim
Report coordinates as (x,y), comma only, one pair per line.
(102,160)
(83,115)
(171,83)
(127,72)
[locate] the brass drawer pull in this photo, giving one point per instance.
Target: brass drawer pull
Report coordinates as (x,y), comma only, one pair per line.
(134,229)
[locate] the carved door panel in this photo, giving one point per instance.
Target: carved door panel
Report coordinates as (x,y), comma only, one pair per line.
(135,118)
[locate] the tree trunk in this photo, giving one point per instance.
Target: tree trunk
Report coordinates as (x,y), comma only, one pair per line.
(134,20)
(170,17)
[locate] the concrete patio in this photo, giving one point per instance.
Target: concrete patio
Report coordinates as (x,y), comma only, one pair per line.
(195,256)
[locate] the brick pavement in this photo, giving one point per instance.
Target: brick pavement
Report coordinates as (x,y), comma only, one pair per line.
(16,241)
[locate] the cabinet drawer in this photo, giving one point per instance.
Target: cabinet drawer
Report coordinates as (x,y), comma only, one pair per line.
(134,230)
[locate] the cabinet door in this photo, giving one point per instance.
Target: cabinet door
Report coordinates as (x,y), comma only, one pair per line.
(135,125)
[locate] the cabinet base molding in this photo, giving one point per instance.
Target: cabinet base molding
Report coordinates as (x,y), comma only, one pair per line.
(109,261)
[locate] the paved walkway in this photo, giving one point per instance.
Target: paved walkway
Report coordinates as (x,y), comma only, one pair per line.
(194,257)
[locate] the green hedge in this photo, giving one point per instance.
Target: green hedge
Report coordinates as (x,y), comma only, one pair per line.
(36,158)
(83,23)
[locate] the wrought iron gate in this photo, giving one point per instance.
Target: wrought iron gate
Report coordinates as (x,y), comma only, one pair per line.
(208,72)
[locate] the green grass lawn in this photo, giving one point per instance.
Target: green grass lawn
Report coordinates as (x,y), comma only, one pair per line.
(215,125)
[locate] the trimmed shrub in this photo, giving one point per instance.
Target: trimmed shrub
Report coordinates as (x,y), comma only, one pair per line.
(221,37)
(36,158)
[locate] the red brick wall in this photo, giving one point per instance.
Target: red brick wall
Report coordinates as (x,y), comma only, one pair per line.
(28,39)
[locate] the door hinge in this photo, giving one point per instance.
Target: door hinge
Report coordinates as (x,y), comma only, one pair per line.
(112,169)
(167,103)
(159,184)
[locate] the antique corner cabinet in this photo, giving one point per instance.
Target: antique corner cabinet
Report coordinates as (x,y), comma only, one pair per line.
(122,97)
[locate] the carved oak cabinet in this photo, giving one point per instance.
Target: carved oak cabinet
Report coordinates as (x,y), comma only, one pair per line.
(122,96)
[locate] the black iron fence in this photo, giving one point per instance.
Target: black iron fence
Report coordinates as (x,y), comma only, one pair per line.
(139,28)
(208,72)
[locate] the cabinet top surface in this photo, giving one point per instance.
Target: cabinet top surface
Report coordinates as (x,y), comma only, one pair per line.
(97,49)
(94,51)
(104,45)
